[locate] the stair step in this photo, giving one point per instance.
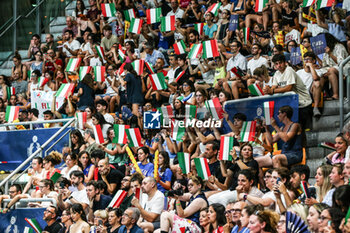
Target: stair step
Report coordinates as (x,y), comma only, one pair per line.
(332,108)
(313,165)
(325,122)
(314,138)
(57,29)
(61,20)
(6,72)
(317,152)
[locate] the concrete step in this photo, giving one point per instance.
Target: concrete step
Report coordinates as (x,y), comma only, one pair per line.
(325,123)
(57,29)
(59,21)
(313,165)
(317,152)
(6,72)
(314,138)
(332,107)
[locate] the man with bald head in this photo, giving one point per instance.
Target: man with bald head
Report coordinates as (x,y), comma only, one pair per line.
(150,206)
(112,177)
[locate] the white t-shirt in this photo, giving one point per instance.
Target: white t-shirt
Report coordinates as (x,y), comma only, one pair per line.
(253,64)
(155,205)
(237,61)
(52,194)
(315,29)
(178,13)
(95,61)
(74,45)
(292,35)
(66,173)
(80,196)
(108,117)
(307,77)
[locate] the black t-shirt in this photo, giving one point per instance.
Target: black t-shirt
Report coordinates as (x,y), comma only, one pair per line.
(54,228)
(215,171)
(113,177)
(102,203)
(184,77)
(253,164)
(133,89)
(288,18)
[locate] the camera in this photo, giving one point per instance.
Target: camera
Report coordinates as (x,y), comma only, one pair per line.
(172,193)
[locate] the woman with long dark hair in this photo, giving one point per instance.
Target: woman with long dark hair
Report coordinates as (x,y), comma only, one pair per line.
(77,141)
(217,219)
(86,165)
(86,92)
(80,9)
(19,67)
(145,165)
(79,218)
(98,119)
(164,172)
(329,220)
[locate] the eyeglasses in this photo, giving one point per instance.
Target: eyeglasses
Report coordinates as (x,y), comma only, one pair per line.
(126,215)
(232,210)
(267,177)
(49,211)
(42,186)
(185,85)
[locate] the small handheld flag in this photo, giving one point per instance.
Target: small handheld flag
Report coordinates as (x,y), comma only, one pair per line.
(202,168)
(248,131)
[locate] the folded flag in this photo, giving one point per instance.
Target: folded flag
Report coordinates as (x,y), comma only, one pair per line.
(158,81)
(42,81)
(324,3)
(214,8)
(121,69)
(246,34)
(83,71)
(195,51)
(305,189)
(199,28)
(226,145)
(120,134)
(11,113)
(153,15)
(135,26)
(117,199)
(260,4)
(307,3)
(237,71)
(73,64)
(190,111)
(179,47)
(121,53)
(215,108)
(81,119)
(98,134)
(268,111)
(134,137)
(138,66)
(248,131)
(129,15)
(167,23)
(167,113)
(138,194)
(184,162)
(10,91)
(28,230)
(64,90)
(210,49)
(108,9)
(202,168)
(34,224)
(101,53)
(179,76)
(177,131)
(327,145)
(55,177)
(149,67)
(99,72)
(255,89)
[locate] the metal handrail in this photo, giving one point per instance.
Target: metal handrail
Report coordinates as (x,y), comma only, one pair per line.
(26,200)
(9,20)
(341,93)
(37,122)
(8,28)
(29,159)
(30,12)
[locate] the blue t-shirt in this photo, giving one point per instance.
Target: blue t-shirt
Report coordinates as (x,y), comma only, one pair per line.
(147,169)
(209,31)
(164,176)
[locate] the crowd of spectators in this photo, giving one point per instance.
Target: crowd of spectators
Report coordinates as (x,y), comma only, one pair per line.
(253,192)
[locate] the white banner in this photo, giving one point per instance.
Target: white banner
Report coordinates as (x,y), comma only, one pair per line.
(42,100)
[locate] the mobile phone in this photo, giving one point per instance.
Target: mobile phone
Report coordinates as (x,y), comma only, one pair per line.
(100,223)
(329,223)
(278,179)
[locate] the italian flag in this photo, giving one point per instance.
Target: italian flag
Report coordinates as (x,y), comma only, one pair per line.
(121,53)
(268,111)
(180,76)
(167,23)
(108,9)
(28,230)
(226,145)
(121,69)
(246,33)
(64,90)
(215,108)
(237,71)
(177,131)
(83,71)
(73,64)
(167,112)
(158,81)
(260,4)
(190,111)
(135,26)
(98,134)
(214,8)
(118,199)
(138,66)
(11,113)
(202,168)
(42,81)
(248,131)
(199,28)
(34,224)
(119,133)
(134,137)
(99,72)
(180,47)
(307,3)
(255,89)
(101,53)
(149,67)
(10,91)
(305,189)
(184,162)
(153,15)
(81,119)
(324,3)
(210,49)
(195,51)
(129,15)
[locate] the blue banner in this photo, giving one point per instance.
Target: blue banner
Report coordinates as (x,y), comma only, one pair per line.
(318,44)
(13,221)
(233,24)
(17,146)
(253,107)
(295,56)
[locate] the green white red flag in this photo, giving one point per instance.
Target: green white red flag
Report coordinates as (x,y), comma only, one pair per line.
(134,137)
(324,3)
(215,108)
(73,64)
(10,91)
(135,26)
(12,113)
(184,162)
(214,8)
(226,145)
(101,53)
(167,113)
(179,76)
(153,15)
(246,34)
(99,72)
(117,199)
(248,131)
(179,47)
(121,53)
(98,134)
(28,230)
(167,23)
(307,3)
(64,90)
(83,70)
(177,131)
(120,134)
(237,71)
(260,4)
(42,81)
(255,89)
(195,51)
(149,67)
(81,119)
(138,66)
(202,168)
(190,111)
(121,69)
(34,224)
(210,49)
(199,28)
(108,9)
(129,15)
(268,111)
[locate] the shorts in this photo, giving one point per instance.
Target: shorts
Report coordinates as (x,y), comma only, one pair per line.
(182,223)
(156,225)
(293,157)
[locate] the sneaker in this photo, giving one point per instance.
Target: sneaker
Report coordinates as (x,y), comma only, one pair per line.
(317,112)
